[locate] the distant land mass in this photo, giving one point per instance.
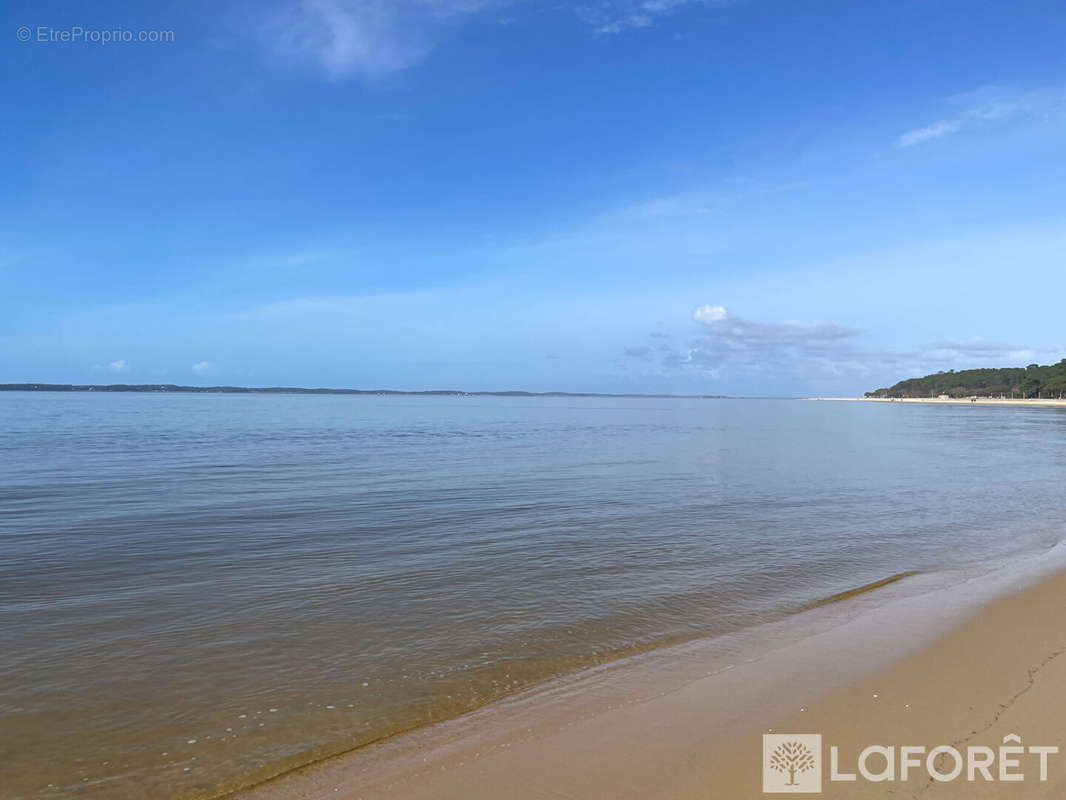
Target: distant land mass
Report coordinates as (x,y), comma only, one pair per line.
(1034,381)
(171,387)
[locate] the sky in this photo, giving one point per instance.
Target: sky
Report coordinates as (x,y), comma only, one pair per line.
(660,196)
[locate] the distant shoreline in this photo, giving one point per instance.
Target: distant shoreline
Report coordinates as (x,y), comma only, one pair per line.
(163,388)
(980,401)
(171,388)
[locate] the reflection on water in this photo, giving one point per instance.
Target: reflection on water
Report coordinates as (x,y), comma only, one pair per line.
(196,590)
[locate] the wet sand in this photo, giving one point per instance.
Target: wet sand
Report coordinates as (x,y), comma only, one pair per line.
(962,664)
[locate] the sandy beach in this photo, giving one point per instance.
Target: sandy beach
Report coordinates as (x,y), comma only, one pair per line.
(964,664)
(981,401)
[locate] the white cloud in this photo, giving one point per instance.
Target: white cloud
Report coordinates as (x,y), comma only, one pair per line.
(710,314)
(618,16)
(372,38)
(991,104)
(200,367)
(935,131)
(368,38)
(118,366)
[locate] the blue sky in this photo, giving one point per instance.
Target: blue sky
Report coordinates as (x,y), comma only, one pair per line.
(746,197)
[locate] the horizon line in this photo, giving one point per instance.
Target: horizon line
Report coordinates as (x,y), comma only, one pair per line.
(161,388)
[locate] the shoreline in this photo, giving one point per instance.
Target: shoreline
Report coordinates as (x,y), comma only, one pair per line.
(966,401)
(677,721)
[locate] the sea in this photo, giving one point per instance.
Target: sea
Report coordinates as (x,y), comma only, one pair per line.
(201,591)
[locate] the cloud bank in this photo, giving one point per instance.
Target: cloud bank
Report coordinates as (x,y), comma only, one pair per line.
(726,342)
(725,346)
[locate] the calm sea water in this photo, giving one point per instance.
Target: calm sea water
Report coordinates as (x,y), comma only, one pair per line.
(197,591)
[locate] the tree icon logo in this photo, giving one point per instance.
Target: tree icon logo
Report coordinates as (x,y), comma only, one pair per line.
(792,757)
(792,762)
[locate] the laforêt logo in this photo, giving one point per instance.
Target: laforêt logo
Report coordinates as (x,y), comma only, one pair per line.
(792,762)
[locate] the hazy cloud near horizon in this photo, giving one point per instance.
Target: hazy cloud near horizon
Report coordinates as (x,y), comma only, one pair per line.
(726,346)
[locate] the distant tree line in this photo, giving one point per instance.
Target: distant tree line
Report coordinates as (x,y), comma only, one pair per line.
(1023,382)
